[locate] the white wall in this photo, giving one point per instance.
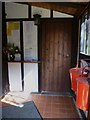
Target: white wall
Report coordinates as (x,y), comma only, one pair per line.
(15,10)
(15,81)
(31,77)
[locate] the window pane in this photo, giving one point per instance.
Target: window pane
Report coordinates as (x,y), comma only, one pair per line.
(30,40)
(85,34)
(45,13)
(13,37)
(15,10)
(88,47)
(83,38)
(61,15)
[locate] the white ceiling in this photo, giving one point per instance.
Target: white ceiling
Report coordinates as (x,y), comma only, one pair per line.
(45,0)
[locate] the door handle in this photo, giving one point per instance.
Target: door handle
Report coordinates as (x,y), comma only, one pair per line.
(67,55)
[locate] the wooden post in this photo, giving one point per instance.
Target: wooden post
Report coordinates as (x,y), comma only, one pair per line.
(5,79)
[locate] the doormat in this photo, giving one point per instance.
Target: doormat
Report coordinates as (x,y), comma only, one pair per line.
(27,112)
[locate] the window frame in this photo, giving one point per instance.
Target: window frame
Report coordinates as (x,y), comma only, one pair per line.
(84,33)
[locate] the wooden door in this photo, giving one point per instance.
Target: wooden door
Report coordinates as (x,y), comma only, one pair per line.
(56,36)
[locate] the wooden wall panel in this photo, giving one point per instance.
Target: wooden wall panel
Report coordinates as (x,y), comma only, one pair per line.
(51,70)
(67,55)
(43,56)
(56,55)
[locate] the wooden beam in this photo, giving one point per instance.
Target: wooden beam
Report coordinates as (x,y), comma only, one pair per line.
(71,8)
(67,4)
(55,6)
(72,4)
(83,10)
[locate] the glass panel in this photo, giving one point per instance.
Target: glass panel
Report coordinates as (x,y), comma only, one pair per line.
(13,39)
(45,13)
(85,34)
(15,10)
(61,15)
(30,40)
(82,38)
(88,44)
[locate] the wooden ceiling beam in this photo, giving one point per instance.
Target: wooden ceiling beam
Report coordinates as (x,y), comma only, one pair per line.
(71,8)
(72,4)
(83,10)
(55,6)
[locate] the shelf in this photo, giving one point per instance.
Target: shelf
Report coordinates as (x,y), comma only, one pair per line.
(24,61)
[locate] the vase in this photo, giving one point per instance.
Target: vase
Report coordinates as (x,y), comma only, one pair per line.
(12,57)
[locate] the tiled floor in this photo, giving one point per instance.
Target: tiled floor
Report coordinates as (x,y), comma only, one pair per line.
(55,106)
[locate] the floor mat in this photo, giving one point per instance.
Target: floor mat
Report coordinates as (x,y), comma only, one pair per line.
(29,110)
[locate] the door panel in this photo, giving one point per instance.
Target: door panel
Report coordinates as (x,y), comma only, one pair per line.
(56,38)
